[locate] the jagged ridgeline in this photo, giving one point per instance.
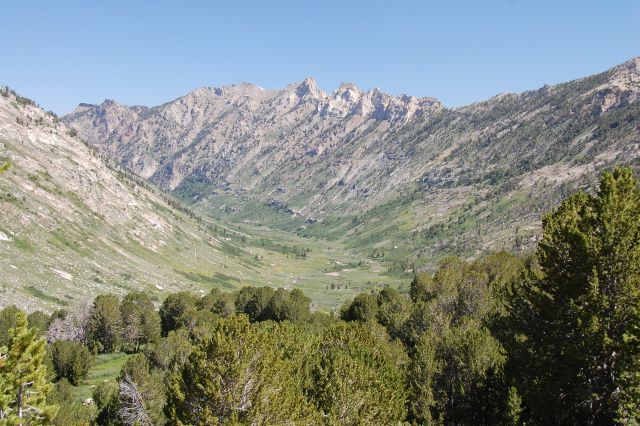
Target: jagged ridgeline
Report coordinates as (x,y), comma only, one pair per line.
(397,178)
(73,225)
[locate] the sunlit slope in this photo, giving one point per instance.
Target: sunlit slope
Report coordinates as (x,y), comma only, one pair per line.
(397,176)
(72,226)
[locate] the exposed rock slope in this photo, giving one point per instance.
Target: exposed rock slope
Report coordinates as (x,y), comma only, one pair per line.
(244,138)
(350,152)
(71,226)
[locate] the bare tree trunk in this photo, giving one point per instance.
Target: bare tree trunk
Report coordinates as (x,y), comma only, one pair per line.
(132,410)
(19,401)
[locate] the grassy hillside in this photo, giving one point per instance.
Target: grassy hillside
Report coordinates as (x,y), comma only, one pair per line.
(73,226)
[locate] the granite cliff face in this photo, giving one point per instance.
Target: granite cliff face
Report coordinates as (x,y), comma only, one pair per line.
(444,176)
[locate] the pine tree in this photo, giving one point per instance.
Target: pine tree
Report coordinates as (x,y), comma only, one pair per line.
(7,322)
(451,375)
(358,376)
(141,393)
(514,407)
(105,324)
(576,347)
(23,378)
(140,320)
(242,374)
(70,360)
(173,310)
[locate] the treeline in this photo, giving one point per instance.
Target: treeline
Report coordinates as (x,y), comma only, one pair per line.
(7,92)
(552,338)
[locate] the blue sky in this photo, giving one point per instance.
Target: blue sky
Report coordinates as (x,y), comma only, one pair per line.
(61,53)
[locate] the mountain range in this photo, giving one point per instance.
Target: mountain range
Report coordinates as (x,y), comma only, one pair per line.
(400,178)
(334,193)
(74,225)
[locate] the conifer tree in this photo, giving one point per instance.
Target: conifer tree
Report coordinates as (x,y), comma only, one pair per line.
(140,320)
(575,347)
(242,374)
(7,322)
(23,378)
(358,376)
(105,324)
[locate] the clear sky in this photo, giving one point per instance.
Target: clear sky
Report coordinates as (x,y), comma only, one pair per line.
(61,53)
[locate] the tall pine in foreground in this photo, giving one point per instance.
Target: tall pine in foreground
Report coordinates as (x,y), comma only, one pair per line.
(575,349)
(23,378)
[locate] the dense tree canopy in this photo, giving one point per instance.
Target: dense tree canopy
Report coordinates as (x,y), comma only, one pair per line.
(576,318)
(241,374)
(358,377)
(175,308)
(71,360)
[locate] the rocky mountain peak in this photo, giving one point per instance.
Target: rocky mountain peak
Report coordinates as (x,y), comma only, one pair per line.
(226,134)
(347,92)
(627,75)
(632,66)
(309,88)
(315,153)
(622,87)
